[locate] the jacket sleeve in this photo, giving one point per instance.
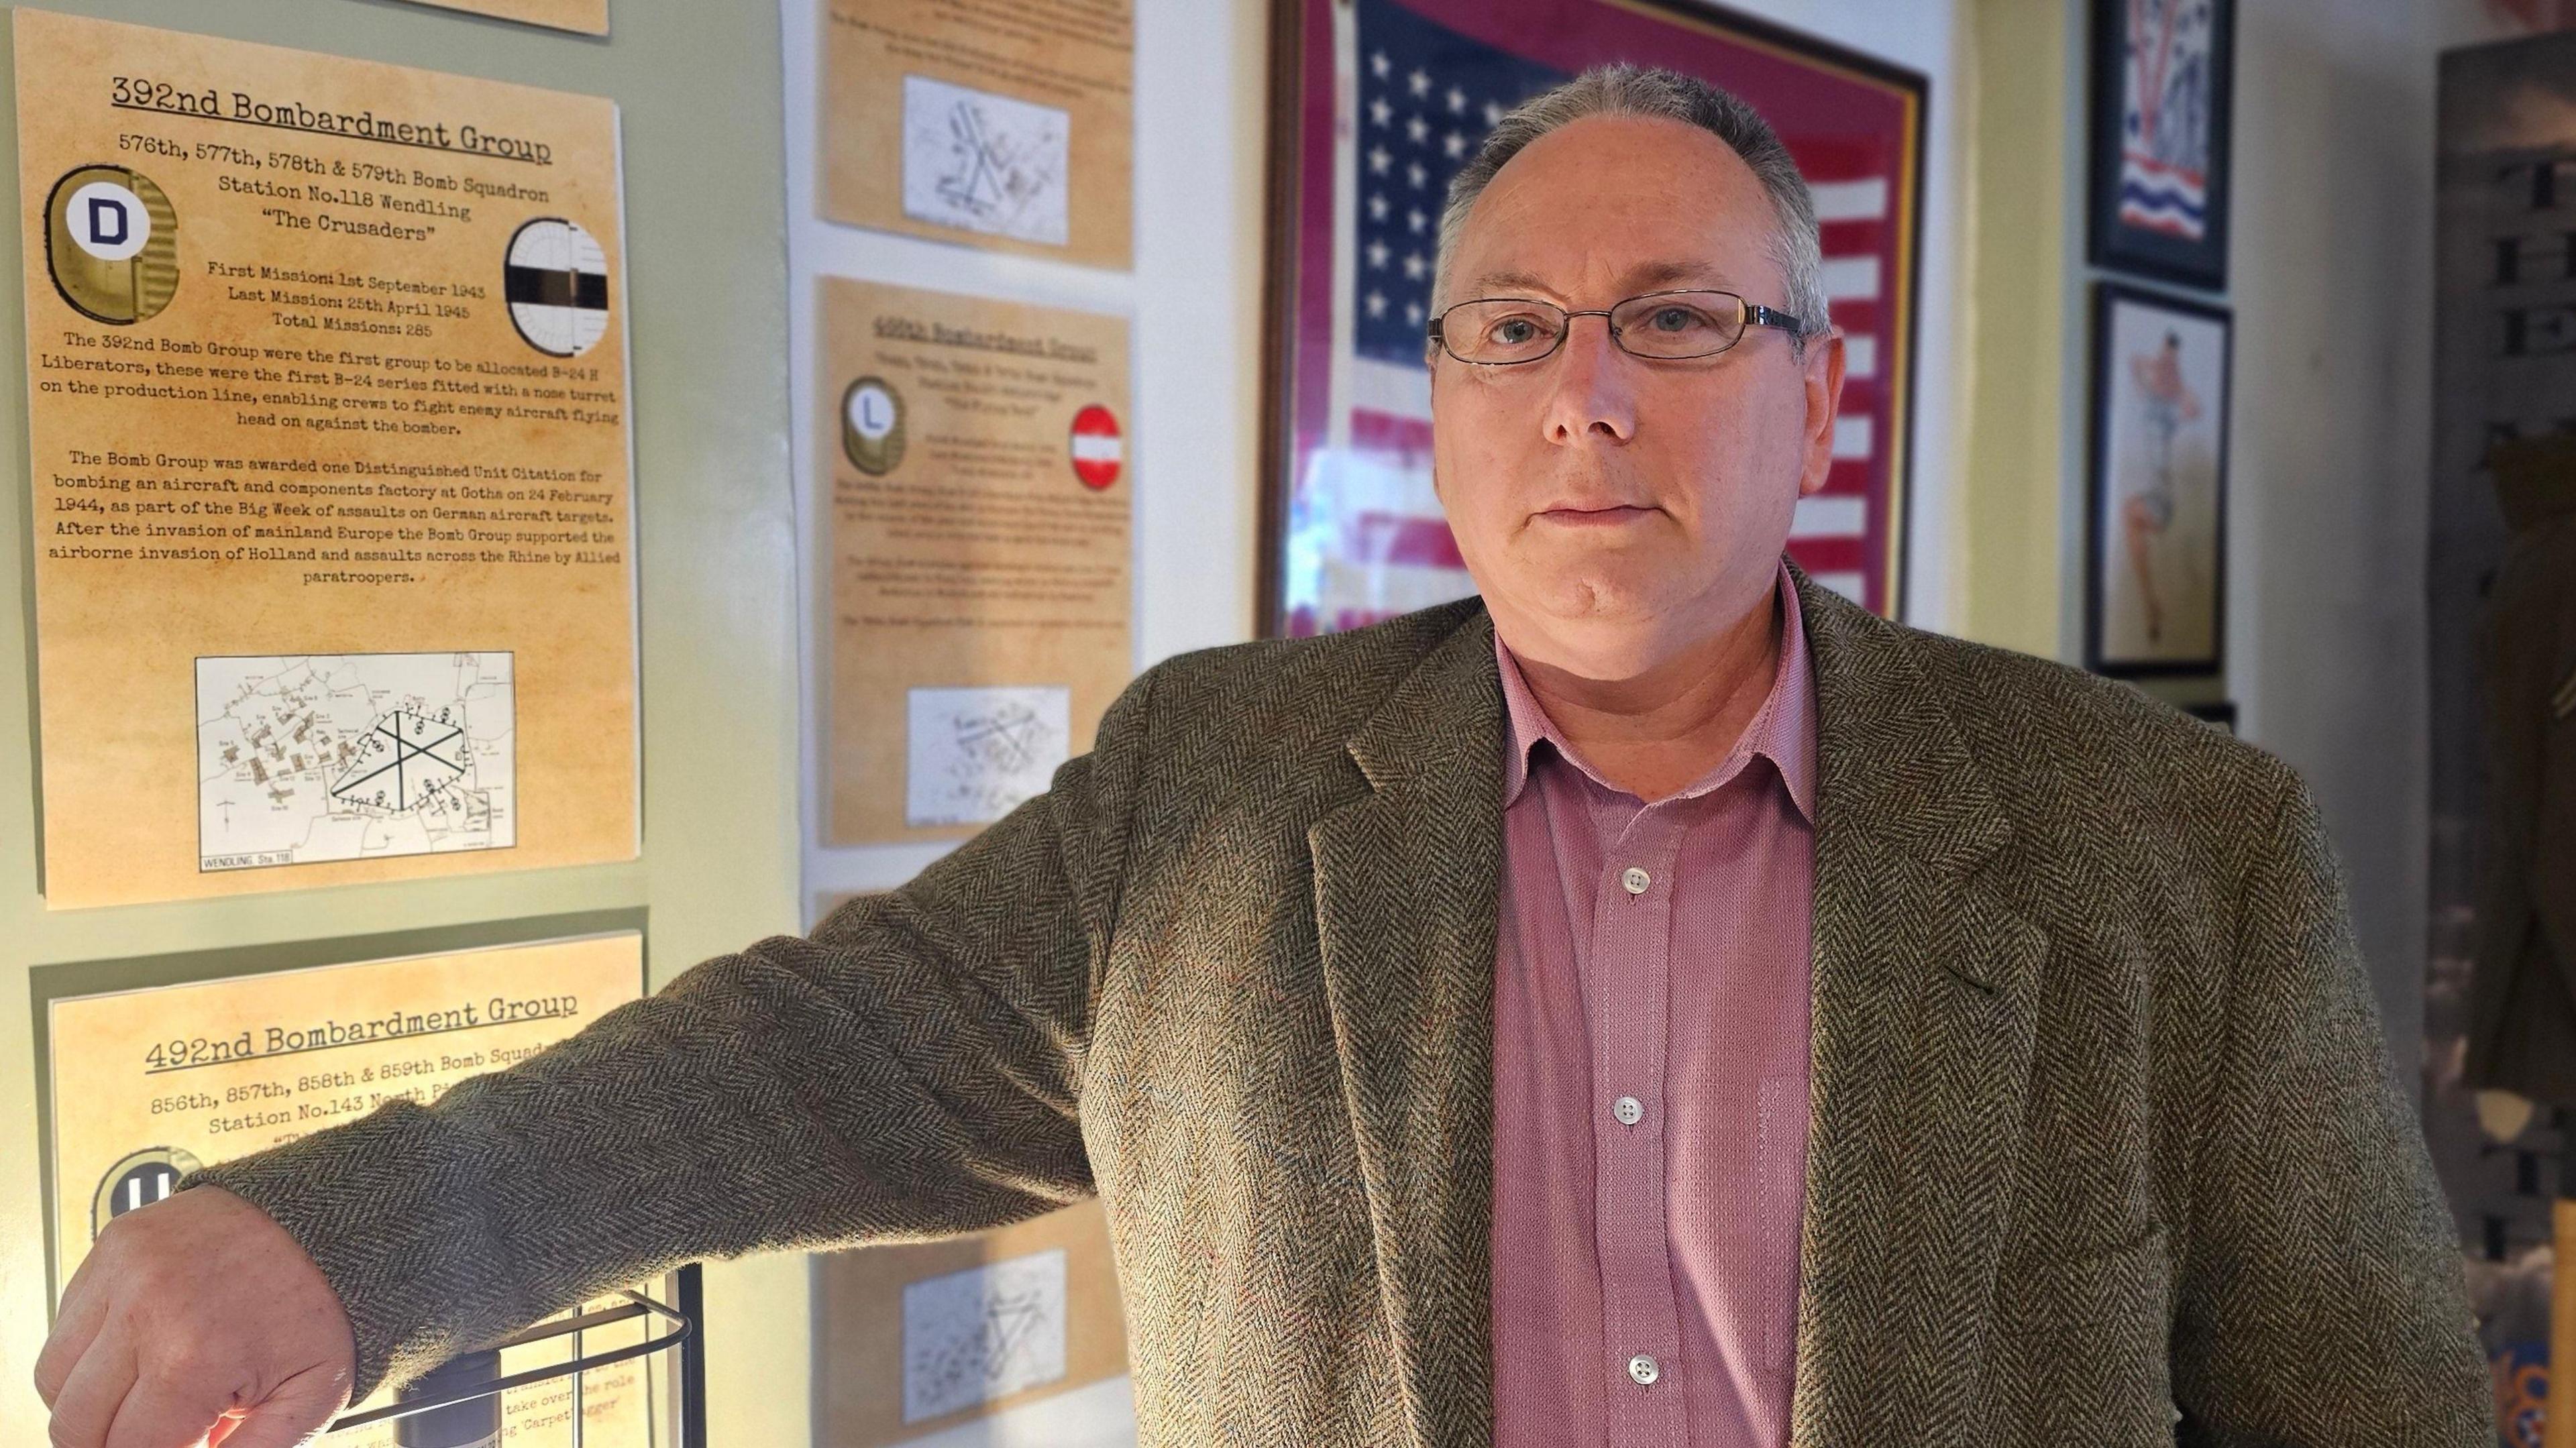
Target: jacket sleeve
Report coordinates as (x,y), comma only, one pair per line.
(2321,1301)
(909,1071)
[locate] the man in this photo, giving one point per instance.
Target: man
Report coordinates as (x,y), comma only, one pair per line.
(1660,1003)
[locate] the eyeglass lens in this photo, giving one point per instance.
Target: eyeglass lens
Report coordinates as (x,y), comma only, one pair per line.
(1669,325)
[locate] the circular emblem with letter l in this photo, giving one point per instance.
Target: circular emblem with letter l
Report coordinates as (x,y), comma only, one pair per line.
(112,244)
(872,426)
(555,279)
(1098,450)
(138,1180)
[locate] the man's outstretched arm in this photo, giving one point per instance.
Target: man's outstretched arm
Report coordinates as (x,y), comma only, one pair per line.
(2321,1301)
(911,1070)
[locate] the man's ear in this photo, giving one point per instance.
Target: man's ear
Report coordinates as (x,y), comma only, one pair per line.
(1823,378)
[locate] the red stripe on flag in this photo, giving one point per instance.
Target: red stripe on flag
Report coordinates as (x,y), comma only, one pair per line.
(1859,314)
(1853,238)
(1388,432)
(1823,158)
(1857,477)
(1831,555)
(1406,538)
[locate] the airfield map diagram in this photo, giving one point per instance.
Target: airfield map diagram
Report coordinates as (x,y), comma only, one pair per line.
(316,757)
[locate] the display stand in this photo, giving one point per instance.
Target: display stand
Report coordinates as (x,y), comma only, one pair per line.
(458,1404)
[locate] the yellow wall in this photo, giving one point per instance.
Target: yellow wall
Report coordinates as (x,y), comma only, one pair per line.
(2009,512)
(699,84)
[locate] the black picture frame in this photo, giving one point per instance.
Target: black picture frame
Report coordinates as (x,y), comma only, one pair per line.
(2115,243)
(2100,653)
(2218,713)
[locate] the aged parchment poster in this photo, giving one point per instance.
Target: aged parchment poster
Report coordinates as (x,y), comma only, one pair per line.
(923,1336)
(974,461)
(148,1085)
(327,373)
(1003,126)
(590,17)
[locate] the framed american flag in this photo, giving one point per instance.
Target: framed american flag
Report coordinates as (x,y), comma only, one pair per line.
(1375,104)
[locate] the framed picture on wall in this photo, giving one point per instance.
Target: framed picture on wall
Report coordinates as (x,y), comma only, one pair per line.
(2156,577)
(1375,105)
(2218,713)
(2163,79)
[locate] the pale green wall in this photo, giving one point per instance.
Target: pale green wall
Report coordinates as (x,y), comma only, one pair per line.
(698,83)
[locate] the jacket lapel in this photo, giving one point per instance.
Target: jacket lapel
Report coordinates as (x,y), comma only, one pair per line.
(1925,980)
(1406,880)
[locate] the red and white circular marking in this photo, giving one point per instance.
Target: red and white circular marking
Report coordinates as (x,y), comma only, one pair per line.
(1098,449)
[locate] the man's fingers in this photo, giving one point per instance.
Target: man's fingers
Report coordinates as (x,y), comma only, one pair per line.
(92,1392)
(164,1415)
(74,1330)
(292,1414)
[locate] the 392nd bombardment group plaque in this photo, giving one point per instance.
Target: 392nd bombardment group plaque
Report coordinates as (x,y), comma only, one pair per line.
(328,422)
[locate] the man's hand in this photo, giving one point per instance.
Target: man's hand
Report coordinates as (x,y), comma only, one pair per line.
(192,1320)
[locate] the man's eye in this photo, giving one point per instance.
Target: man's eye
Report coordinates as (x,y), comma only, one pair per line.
(1513,331)
(1677,319)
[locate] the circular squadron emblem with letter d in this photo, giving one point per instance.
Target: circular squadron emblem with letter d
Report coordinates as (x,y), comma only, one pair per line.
(555,279)
(112,244)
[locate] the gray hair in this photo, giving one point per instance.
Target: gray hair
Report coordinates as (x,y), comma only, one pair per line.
(1621,89)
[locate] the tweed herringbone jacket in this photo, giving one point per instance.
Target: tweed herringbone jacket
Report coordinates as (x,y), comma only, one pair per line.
(2104,1147)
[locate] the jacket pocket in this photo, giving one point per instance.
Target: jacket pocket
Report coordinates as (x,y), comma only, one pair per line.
(2080,1347)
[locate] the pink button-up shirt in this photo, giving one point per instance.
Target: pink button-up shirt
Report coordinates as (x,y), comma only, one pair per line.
(1650,1085)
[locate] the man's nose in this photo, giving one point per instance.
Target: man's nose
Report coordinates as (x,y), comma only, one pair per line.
(1592,394)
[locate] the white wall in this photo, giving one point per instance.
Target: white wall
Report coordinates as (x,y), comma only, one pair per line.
(1194,306)
(2331,274)
(1195,303)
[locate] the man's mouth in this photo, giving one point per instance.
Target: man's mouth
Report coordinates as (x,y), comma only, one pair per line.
(1608,516)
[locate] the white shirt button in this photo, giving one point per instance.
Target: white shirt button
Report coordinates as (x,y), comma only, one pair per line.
(1642,1368)
(1628,1109)
(1635,880)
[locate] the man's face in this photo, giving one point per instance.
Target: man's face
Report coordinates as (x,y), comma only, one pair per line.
(1609,504)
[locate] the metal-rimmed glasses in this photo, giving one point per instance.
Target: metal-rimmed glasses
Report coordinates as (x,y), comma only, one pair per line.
(1665,326)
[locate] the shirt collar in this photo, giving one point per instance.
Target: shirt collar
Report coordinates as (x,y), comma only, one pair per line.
(1782,730)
